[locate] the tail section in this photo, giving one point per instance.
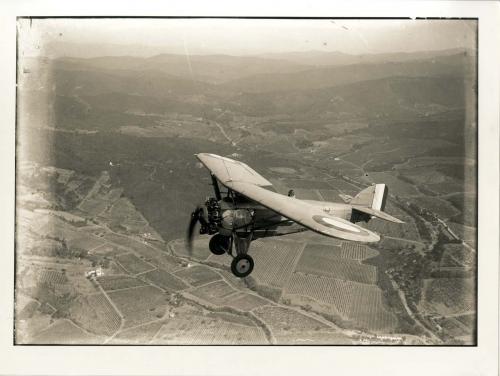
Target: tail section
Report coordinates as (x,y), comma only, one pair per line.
(369,203)
(373,197)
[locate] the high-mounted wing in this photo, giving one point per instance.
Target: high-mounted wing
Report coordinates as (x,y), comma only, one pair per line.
(227,170)
(312,217)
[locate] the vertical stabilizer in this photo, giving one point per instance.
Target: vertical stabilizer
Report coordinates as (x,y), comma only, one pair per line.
(373,197)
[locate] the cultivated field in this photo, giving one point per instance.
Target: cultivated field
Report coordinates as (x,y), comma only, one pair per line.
(165,280)
(50,276)
(140,305)
(326,263)
(138,335)
(110,283)
(133,264)
(108,249)
(217,293)
(194,330)
(246,302)
(198,275)
(64,332)
(280,318)
(95,314)
(200,248)
(274,261)
(455,328)
(449,295)
(442,208)
(356,251)
(358,302)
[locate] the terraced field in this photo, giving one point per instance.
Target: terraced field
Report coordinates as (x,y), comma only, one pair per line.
(50,277)
(280,318)
(108,249)
(165,280)
(449,295)
(444,209)
(275,261)
(110,283)
(146,251)
(198,275)
(200,248)
(94,206)
(246,302)
(122,209)
(133,264)
(95,314)
(216,292)
(140,305)
(359,302)
(324,262)
(356,251)
(331,251)
(85,241)
(453,327)
(139,335)
(194,330)
(64,332)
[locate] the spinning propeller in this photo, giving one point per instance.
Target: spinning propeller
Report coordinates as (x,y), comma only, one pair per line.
(198,215)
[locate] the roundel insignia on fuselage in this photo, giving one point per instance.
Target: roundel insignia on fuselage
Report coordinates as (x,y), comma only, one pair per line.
(339,225)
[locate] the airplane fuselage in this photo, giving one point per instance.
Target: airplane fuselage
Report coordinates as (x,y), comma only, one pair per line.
(241,215)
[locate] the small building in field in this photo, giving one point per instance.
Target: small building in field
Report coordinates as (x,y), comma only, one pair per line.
(94,273)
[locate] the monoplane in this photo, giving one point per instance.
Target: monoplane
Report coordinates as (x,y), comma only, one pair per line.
(246,207)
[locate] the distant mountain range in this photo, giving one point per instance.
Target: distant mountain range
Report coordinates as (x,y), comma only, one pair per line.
(257,74)
(111,91)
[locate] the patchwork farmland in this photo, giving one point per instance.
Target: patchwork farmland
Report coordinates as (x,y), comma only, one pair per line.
(357,302)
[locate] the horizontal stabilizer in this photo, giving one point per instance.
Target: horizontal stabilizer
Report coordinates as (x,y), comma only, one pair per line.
(376,213)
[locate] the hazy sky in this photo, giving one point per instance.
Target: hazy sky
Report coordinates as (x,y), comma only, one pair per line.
(243,36)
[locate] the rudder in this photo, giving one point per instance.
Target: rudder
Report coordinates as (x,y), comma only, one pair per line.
(374,197)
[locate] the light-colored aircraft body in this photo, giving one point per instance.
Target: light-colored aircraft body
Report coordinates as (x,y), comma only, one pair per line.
(250,208)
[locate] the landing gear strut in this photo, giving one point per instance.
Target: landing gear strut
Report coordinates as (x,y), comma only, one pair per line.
(242,264)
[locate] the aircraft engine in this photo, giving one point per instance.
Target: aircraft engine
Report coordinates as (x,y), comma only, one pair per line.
(233,219)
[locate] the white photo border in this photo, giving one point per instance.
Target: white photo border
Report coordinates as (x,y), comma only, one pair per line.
(229,360)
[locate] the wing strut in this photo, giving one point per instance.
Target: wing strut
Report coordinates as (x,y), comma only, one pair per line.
(216,187)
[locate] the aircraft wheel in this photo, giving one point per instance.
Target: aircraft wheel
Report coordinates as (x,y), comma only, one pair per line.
(242,266)
(219,244)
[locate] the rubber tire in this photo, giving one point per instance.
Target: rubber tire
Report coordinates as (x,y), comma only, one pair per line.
(234,266)
(217,243)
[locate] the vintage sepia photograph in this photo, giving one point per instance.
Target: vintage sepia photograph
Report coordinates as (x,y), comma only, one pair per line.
(246,181)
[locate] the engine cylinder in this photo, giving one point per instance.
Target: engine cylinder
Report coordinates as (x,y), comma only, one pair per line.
(236,218)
